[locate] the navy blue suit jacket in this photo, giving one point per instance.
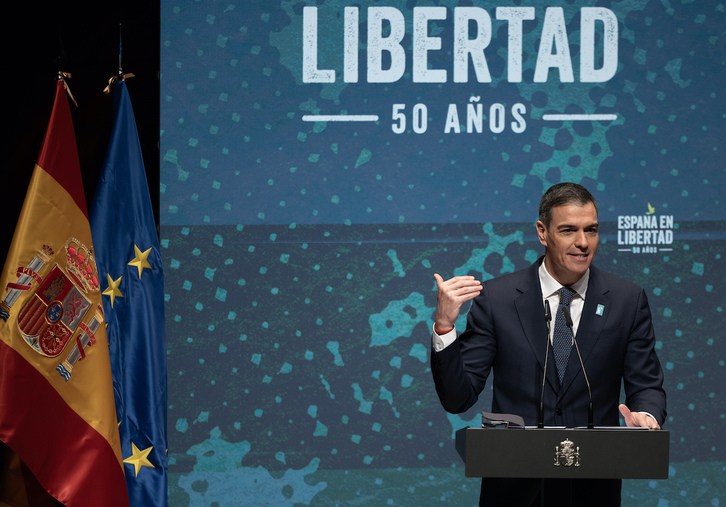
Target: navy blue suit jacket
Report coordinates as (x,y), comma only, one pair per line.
(506,335)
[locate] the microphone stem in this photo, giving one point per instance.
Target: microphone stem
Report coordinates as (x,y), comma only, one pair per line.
(590,414)
(540,414)
(590,411)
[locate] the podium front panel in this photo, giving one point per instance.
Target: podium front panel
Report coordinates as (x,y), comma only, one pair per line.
(564,453)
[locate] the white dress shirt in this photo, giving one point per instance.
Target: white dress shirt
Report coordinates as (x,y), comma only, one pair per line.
(550,288)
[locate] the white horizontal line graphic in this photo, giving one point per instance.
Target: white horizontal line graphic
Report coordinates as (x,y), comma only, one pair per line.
(344,117)
(579,117)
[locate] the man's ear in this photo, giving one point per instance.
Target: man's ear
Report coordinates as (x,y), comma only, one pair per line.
(542,232)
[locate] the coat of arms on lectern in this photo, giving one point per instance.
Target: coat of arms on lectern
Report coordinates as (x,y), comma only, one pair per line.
(566,454)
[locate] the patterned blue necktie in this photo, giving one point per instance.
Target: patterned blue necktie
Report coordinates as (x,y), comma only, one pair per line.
(562,337)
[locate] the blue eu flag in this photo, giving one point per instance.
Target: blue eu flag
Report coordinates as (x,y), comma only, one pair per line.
(129,268)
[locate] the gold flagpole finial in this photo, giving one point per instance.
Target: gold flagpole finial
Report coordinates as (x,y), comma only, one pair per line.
(62,76)
(120,76)
(113,79)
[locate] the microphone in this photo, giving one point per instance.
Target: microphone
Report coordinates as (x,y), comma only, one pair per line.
(540,414)
(568,320)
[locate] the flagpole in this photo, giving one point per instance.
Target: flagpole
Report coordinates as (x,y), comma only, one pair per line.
(120,49)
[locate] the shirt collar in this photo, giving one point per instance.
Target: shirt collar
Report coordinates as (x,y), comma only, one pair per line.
(550,286)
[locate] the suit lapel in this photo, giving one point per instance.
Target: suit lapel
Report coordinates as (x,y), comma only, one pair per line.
(594,314)
(531,317)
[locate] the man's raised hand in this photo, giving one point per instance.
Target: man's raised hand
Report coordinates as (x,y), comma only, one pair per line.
(451,294)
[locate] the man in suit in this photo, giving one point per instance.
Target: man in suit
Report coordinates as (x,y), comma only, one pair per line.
(507,333)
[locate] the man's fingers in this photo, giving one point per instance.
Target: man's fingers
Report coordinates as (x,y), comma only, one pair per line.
(469,288)
(466,295)
(455,279)
(463,293)
(638,419)
(651,423)
(627,415)
(458,283)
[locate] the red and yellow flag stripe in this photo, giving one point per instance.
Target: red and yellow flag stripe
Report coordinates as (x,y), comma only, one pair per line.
(63,428)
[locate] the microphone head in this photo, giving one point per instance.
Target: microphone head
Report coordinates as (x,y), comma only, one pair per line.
(568,318)
(548,312)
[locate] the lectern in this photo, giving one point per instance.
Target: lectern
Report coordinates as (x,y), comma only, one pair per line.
(559,453)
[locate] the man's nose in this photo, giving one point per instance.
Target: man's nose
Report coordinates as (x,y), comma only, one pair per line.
(581,240)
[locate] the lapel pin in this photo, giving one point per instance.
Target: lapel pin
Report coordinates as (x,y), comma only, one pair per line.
(600,310)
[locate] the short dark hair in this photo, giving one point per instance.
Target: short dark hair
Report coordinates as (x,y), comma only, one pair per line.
(561,194)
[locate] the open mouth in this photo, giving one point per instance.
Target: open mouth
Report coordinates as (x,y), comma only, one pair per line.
(579,256)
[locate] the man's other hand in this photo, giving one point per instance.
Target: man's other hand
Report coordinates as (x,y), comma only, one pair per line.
(638,419)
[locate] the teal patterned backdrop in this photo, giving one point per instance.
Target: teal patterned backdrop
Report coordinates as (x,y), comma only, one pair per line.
(299,254)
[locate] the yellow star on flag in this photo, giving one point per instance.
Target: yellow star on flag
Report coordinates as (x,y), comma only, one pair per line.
(139,458)
(140,260)
(113,290)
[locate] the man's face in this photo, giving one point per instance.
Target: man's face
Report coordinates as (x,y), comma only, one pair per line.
(571,241)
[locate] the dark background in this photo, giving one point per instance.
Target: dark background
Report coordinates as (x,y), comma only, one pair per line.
(81,38)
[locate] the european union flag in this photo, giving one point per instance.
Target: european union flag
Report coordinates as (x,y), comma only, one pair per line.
(129,267)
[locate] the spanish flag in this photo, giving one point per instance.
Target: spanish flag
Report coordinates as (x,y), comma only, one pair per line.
(57,409)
